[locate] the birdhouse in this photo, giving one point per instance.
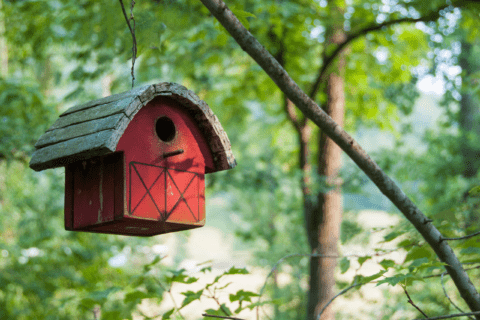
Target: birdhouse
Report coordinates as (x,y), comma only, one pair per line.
(135,162)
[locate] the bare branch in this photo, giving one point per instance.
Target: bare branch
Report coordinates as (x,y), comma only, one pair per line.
(353,36)
(311,110)
(465,237)
(456,315)
(412,303)
(446,295)
(132,31)
(337,295)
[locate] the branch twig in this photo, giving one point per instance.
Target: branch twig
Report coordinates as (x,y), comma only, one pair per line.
(465,237)
(177,310)
(446,295)
(337,295)
(353,36)
(412,303)
(384,183)
(132,31)
(280,261)
(456,315)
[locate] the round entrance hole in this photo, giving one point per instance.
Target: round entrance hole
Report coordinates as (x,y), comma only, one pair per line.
(165,129)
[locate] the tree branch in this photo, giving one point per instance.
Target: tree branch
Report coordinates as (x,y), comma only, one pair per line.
(134,38)
(412,303)
(292,116)
(336,296)
(456,315)
(448,297)
(465,237)
(353,36)
(311,110)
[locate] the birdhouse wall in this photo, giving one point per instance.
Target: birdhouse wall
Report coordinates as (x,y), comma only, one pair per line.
(94,191)
(164,169)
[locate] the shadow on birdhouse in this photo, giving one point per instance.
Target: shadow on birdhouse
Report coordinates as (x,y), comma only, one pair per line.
(135,162)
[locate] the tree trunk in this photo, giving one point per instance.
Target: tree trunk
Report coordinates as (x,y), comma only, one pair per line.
(328,212)
(469,122)
(469,116)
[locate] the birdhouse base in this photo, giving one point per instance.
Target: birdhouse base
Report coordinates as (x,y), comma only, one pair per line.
(96,201)
(138,227)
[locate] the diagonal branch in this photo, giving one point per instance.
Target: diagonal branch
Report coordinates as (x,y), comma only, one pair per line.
(456,315)
(311,110)
(413,303)
(355,35)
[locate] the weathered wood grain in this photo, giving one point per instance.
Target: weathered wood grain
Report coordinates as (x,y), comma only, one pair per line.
(78,130)
(101,111)
(73,150)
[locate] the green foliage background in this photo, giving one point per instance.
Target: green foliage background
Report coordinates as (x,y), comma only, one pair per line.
(59,52)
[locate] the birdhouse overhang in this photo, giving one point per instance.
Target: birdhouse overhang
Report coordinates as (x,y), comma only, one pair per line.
(95,128)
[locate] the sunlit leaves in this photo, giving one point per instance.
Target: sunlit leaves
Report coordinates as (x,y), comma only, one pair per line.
(191,296)
(344,265)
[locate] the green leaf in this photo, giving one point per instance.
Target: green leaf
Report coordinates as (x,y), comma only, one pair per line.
(367,279)
(392,235)
(474,192)
(191,296)
(180,276)
(242,296)
(111,315)
(147,267)
(134,296)
(405,243)
(406,279)
(222,311)
(419,252)
(88,303)
(470,251)
(242,16)
(393,281)
(344,265)
(386,263)
(223,287)
(234,270)
(100,296)
(168,314)
(361,260)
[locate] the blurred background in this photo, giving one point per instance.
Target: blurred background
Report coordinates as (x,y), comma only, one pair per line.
(406,86)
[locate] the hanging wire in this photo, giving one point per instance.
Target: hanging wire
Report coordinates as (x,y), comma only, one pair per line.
(132,31)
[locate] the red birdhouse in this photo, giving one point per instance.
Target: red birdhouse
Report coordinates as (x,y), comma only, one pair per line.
(135,162)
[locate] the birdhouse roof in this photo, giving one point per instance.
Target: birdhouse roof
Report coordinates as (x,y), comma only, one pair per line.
(94,128)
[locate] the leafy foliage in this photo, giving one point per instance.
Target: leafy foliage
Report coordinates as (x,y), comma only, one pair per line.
(58,54)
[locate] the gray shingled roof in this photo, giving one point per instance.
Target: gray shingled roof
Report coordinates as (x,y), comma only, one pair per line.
(94,128)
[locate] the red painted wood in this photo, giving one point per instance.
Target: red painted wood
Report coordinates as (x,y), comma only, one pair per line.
(136,190)
(119,186)
(108,188)
(68,212)
(86,178)
(147,169)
